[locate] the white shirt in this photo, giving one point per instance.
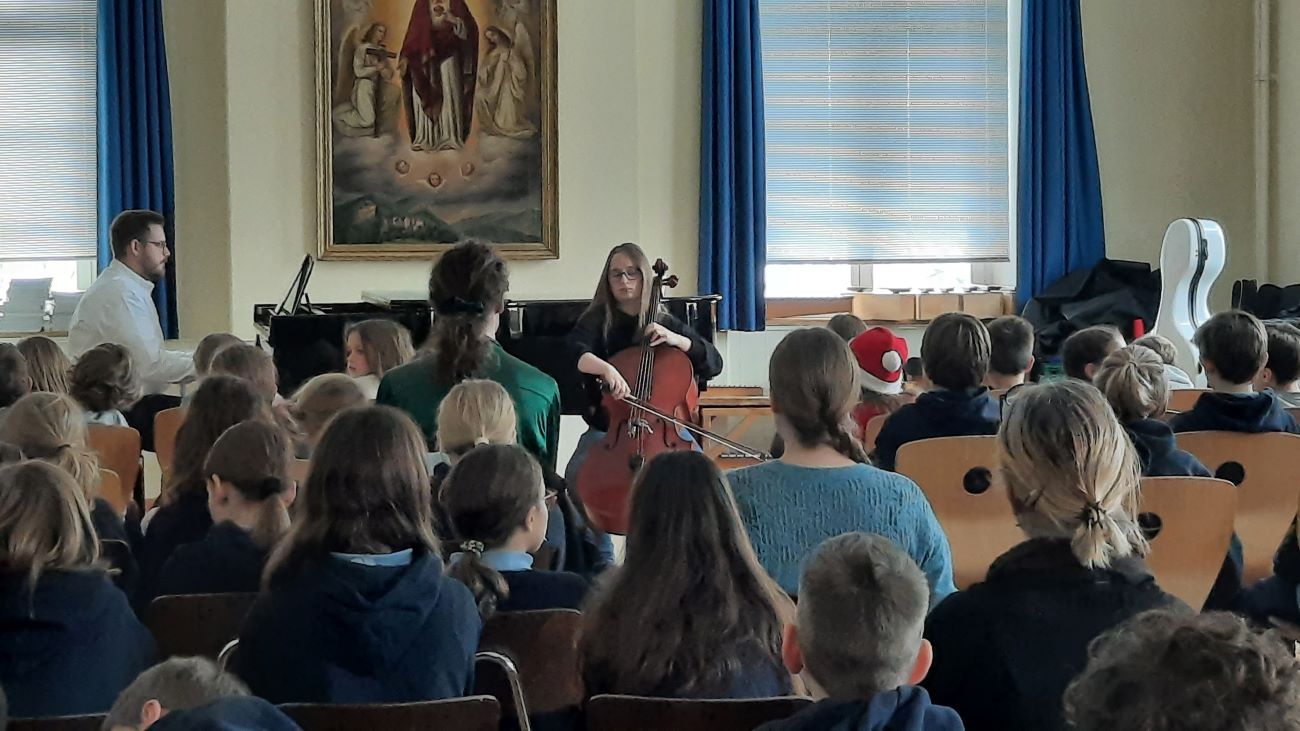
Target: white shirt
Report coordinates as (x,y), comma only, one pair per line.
(118,308)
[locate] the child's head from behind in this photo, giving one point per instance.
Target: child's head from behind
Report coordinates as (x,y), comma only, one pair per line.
(880,355)
(847,326)
(52,427)
(1133,380)
(1283,365)
(474,412)
(14,381)
(1011,351)
(208,348)
(321,398)
(44,521)
(219,403)
(178,684)
(248,469)
(1234,347)
(250,363)
(104,379)
(1160,345)
(813,379)
(1083,352)
(861,612)
(47,364)
(374,347)
(955,351)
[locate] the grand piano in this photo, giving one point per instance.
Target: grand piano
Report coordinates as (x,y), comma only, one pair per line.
(307,339)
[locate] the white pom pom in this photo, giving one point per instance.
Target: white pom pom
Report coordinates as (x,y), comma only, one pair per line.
(891,361)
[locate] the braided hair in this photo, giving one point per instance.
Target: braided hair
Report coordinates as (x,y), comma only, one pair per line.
(814,385)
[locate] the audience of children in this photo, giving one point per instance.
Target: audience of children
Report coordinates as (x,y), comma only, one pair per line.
(14,381)
(47,364)
(1083,352)
(250,363)
(1133,380)
(1011,352)
(496,505)
(857,641)
(880,355)
(1006,648)
(847,326)
(208,348)
(69,642)
(955,350)
(105,383)
(644,633)
(1281,371)
(355,607)
(249,491)
(822,485)
(191,693)
(319,400)
(1164,347)
(373,348)
(1167,670)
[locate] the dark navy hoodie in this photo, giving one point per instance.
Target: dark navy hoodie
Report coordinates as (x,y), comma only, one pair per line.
(1159,453)
(1253,413)
(225,561)
(331,631)
(939,413)
(70,647)
(907,708)
(240,713)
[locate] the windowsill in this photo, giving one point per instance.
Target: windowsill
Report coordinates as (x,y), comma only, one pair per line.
(886,307)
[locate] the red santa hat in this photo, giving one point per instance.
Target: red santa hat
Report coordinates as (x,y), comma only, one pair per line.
(880,355)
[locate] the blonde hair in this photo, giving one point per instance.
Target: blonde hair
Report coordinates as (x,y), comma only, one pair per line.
(475,412)
(1071,471)
(321,398)
(51,427)
(44,522)
(1133,380)
(47,365)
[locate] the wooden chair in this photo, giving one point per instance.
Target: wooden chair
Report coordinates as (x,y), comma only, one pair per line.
(633,713)
(1188,521)
(956,475)
(57,723)
(544,648)
(872,432)
(299,470)
(166,424)
(197,624)
(1266,470)
(119,450)
(475,713)
(1183,399)
(113,490)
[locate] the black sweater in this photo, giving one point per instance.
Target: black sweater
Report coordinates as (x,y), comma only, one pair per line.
(1254,413)
(939,413)
(185,520)
(225,561)
(531,590)
(1159,453)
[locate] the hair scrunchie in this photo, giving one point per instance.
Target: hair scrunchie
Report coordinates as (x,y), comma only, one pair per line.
(1092,515)
(458,306)
(474,547)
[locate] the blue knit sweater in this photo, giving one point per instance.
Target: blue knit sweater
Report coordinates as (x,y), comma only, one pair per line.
(790,510)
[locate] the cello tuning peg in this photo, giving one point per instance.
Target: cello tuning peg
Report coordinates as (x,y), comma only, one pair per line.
(671,281)
(660,267)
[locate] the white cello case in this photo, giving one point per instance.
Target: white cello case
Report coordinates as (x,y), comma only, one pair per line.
(1191,259)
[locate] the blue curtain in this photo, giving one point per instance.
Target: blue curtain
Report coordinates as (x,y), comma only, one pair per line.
(1059,200)
(135,130)
(733,188)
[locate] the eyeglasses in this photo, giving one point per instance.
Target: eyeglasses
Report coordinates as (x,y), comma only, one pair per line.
(160,244)
(630,275)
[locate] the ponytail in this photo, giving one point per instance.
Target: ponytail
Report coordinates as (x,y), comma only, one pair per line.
(272,517)
(466,286)
(487,584)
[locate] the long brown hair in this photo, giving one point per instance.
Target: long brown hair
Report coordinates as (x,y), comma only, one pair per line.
(44,522)
(319,399)
(368,492)
(254,458)
(487,497)
(51,427)
(387,344)
(691,595)
(220,402)
(466,286)
(814,386)
(47,364)
(603,300)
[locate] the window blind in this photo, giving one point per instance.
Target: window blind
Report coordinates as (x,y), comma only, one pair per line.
(47,129)
(886,126)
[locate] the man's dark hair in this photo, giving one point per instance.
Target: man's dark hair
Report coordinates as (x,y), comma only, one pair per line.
(1236,343)
(955,351)
(1164,670)
(1012,341)
(132,225)
(1283,352)
(1088,346)
(14,383)
(178,684)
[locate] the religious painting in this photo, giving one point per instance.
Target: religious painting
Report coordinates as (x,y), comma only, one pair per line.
(436,122)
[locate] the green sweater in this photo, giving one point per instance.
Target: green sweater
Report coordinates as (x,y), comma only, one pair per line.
(412,389)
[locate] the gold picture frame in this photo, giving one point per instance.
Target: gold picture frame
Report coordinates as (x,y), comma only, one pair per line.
(405,169)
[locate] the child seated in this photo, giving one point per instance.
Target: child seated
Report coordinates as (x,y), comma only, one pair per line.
(105,384)
(1133,380)
(1282,370)
(880,355)
(496,503)
(955,351)
(847,326)
(1234,349)
(914,381)
(190,693)
(252,364)
(14,381)
(1166,670)
(318,401)
(1083,352)
(47,364)
(373,348)
(856,640)
(1164,347)
(1011,352)
(208,348)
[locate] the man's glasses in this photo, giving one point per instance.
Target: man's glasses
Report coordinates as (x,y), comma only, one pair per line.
(159,244)
(630,275)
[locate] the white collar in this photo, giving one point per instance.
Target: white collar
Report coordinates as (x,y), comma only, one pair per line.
(122,270)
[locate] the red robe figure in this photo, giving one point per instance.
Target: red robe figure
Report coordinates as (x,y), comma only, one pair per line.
(439,65)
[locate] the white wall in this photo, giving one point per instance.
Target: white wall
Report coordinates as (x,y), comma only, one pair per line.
(1285,228)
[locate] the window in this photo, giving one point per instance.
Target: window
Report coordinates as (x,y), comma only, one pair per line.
(47,133)
(887,131)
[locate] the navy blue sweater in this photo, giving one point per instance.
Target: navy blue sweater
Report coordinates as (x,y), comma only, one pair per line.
(757,674)
(907,708)
(1159,453)
(225,561)
(935,414)
(71,646)
(185,520)
(1254,413)
(238,713)
(531,590)
(330,631)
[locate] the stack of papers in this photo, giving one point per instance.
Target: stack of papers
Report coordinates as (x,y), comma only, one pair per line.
(63,305)
(25,305)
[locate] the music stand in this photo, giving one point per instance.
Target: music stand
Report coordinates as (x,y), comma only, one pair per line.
(297,293)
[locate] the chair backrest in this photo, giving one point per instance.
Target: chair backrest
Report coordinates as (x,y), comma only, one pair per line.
(299,470)
(197,624)
(57,723)
(956,475)
(166,424)
(1188,521)
(872,432)
(113,490)
(1266,469)
(544,648)
(632,713)
(1183,399)
(475,713)
(119,450)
